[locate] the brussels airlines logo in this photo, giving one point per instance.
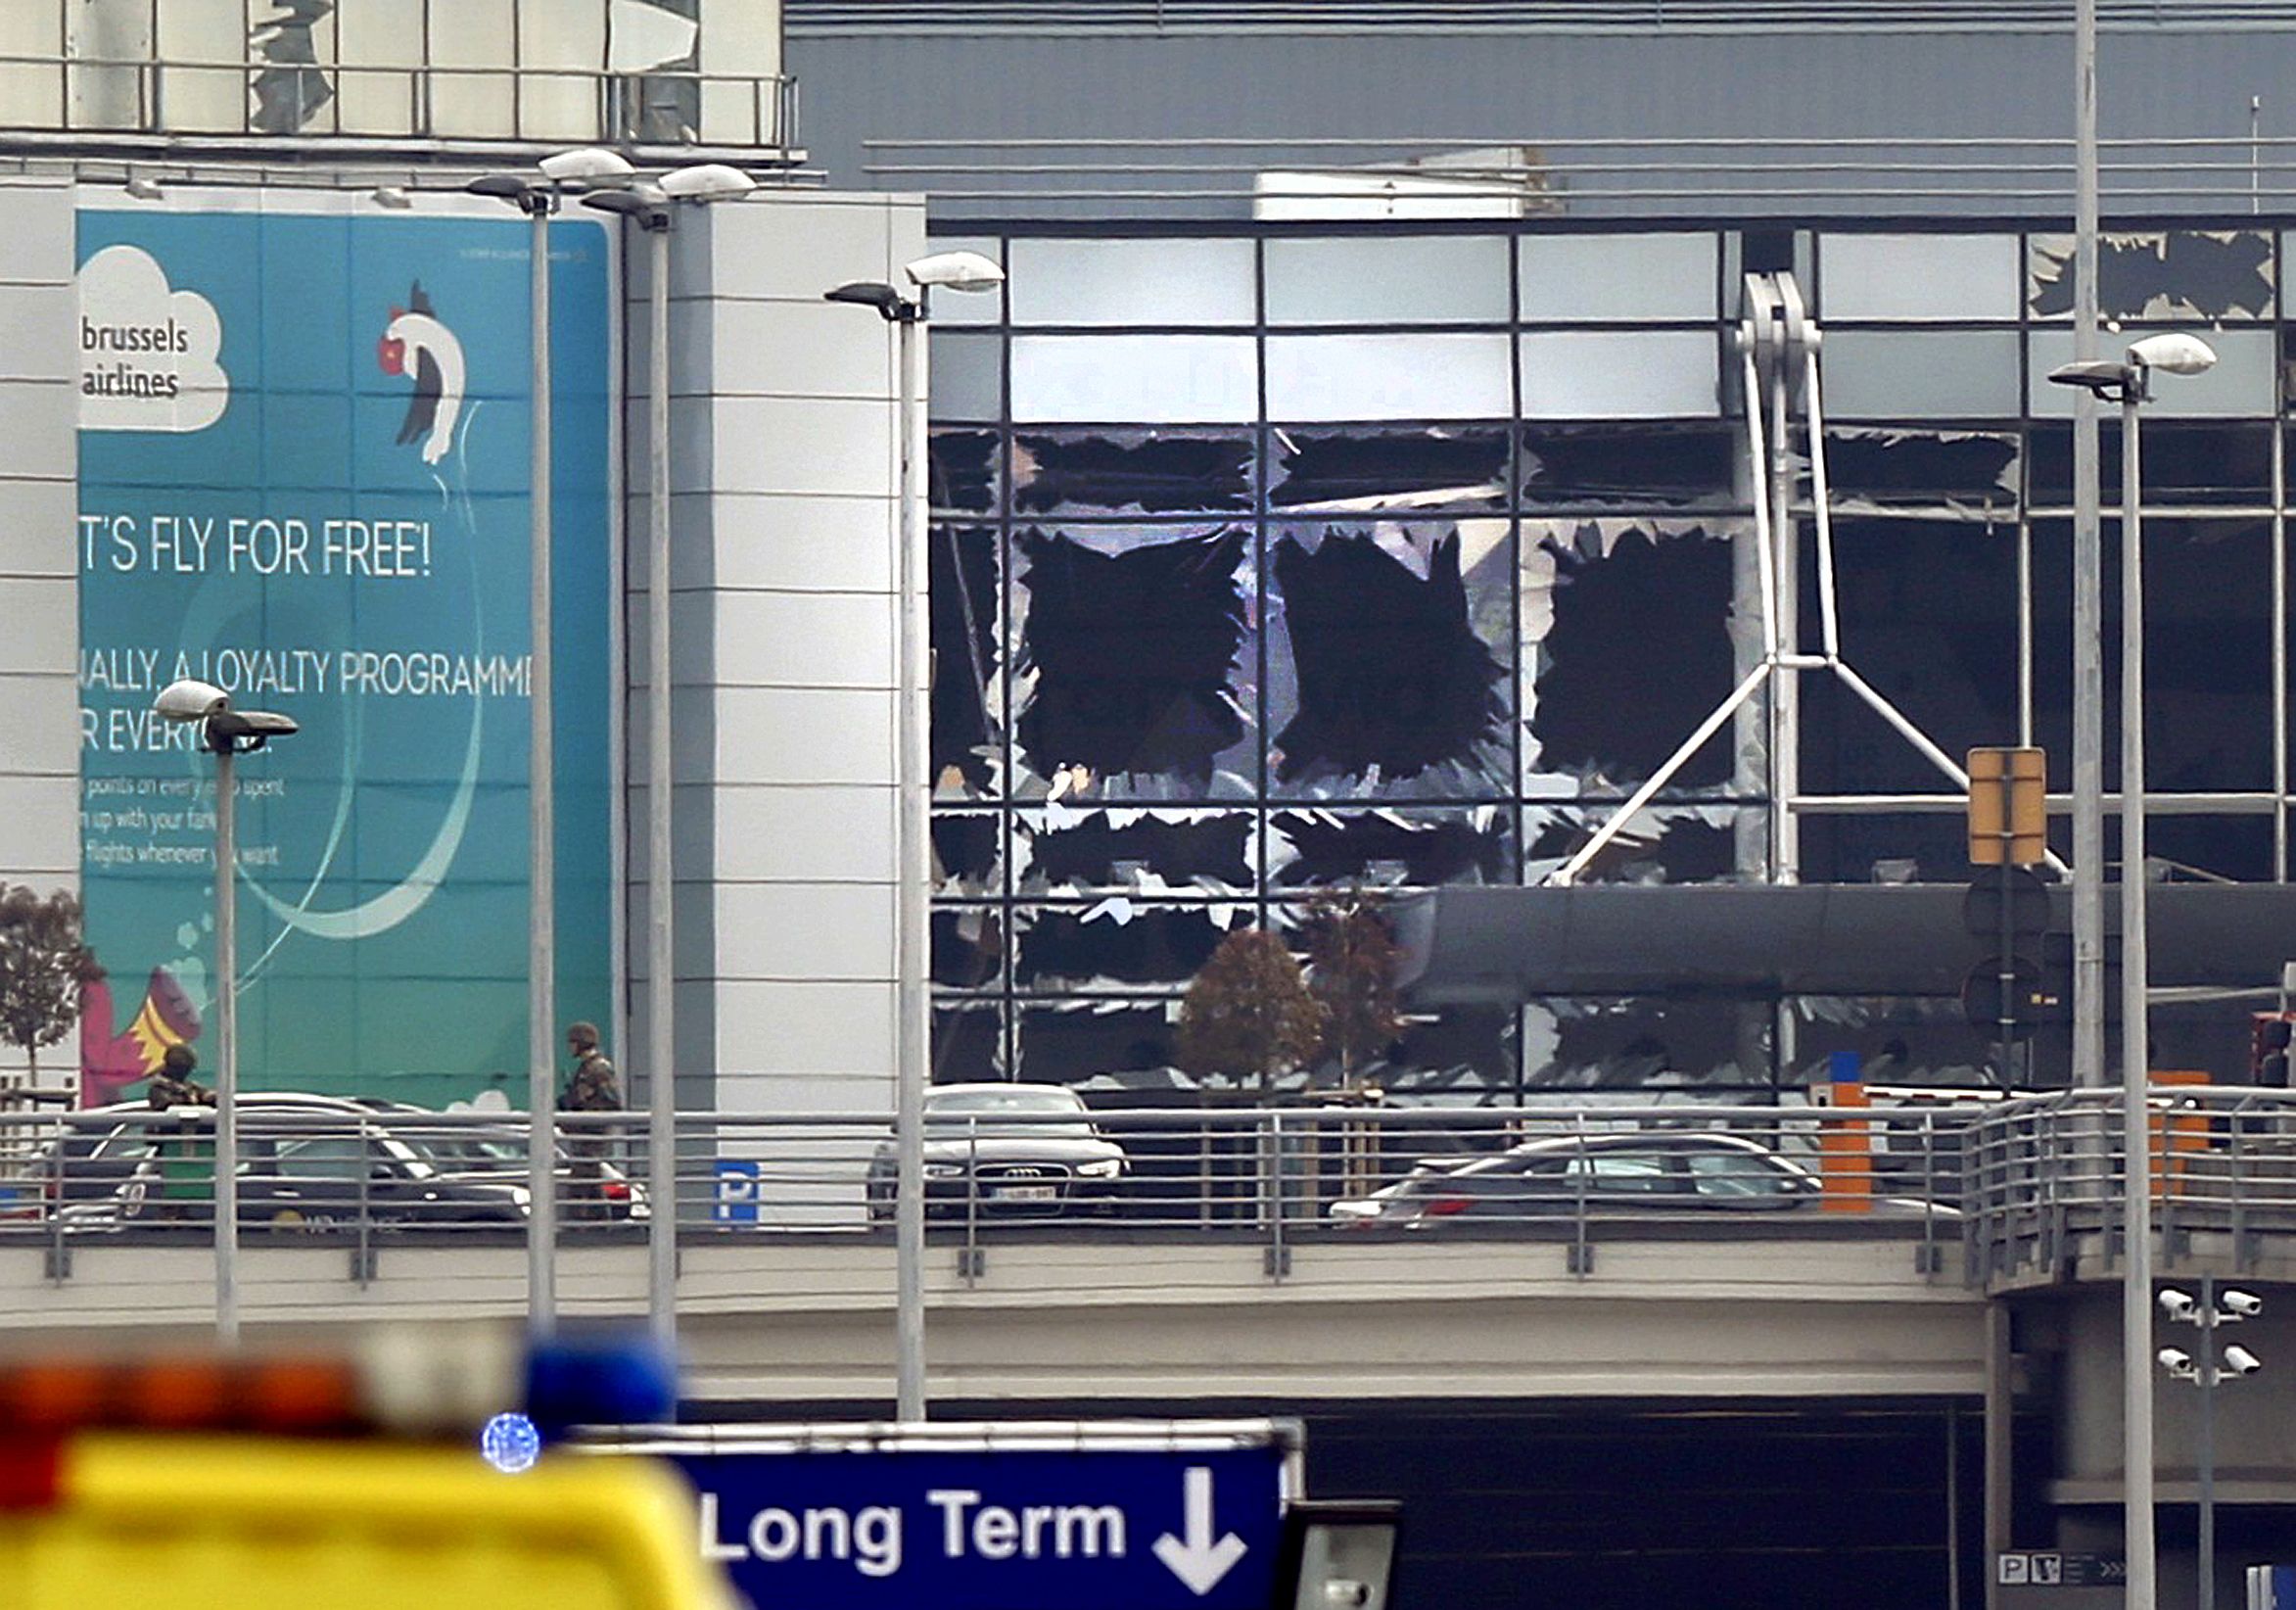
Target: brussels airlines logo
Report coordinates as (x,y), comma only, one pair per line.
(414,338)
(147,354)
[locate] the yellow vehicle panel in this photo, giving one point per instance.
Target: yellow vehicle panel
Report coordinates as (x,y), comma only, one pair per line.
(237,1522)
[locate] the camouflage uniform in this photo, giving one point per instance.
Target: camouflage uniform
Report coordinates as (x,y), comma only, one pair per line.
(185,1153)
(595,1088)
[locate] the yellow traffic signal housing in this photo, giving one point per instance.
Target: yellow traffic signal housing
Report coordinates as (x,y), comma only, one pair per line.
(2008,807)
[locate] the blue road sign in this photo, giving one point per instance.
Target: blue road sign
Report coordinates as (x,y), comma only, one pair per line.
(994,1528)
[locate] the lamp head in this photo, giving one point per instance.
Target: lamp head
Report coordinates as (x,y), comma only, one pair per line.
(954,271)
(2173,353)
(2103,376)
(707,182)
(587,164)
(509,187)
(869,293)
(191,699)
(644,202)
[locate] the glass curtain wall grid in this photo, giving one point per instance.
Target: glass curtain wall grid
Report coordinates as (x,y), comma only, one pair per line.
(1281,560)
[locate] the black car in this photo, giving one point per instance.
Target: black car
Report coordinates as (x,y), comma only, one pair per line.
(1004,1149)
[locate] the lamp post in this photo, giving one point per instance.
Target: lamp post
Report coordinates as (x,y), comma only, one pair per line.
(649,206)
(912,934)
(2211,1366)
(537,199)
(2129,382)
(224,732)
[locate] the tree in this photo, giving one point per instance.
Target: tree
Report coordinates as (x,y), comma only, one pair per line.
(42,965)
(1248,1013)
(1352,967)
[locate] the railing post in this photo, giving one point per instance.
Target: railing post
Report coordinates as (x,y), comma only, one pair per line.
(363,1265)
(59,1254)
(1279,1258)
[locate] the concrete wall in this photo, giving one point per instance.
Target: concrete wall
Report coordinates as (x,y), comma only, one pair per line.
(39,611)
(785,482)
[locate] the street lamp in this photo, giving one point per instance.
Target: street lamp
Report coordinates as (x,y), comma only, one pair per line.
(2129,382)
(951,271)
(537,199)
(649,205)
(2214,1309)
(224,732)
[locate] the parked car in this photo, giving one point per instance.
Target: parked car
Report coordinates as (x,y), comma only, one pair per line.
(1638,1172)
(1004,1149)
(302,1159)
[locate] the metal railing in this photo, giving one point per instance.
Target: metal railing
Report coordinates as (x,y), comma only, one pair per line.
(2045,1180)
(1281,1177)
(150,95)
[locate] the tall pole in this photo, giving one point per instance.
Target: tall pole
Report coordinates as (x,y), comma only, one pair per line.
(2136,1129)
(2209,1372)
(661,886)
(541,960)
(911,771)
(2088,804)
(226,1047)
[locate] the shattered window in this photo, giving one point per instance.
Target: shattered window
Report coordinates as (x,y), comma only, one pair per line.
(968,947)
(1388,847)
(1378,468)
(1587,1045)
(968,1041)
(1117,946)
(1070,850)
(1119,1047)
(968,854)
(2179,273)
(1131,472)
(962,466)
(1389,669)
(1639,465)
(1662,844)
(1136,663)
(1626,648)
(969,694)
(1881,468)
(1899,846)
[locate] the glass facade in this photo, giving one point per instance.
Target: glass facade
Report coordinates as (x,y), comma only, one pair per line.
(1279,559)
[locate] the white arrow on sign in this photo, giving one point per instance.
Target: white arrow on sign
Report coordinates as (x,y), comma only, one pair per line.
(1199,1563)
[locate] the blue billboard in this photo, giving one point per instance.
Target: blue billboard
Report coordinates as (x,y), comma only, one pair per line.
(304,442)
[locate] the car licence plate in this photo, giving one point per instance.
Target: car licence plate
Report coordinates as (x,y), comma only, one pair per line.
(1026,1193)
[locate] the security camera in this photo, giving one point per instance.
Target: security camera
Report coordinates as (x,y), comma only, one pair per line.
(2175,1360)
(192,700)
(954,271)
(2239,1360)
(2241,1305)
(2176,1305)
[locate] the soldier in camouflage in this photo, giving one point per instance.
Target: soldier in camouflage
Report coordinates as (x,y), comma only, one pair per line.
(594,1088)
(173,1085)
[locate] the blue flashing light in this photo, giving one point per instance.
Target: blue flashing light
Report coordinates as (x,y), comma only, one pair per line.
(510,1444)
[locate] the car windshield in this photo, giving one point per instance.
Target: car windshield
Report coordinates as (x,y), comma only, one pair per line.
(470,1148)
(1004,1106)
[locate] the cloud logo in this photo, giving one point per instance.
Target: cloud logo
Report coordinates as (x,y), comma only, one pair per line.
(148,355)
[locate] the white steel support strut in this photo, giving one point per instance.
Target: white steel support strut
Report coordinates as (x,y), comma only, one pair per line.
(1778,357)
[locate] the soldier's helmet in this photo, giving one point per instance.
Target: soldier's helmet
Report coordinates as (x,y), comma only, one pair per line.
(179,1060)
(582,1036)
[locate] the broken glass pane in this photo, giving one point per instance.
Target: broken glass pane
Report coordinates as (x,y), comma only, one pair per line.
(1915,469)
(2180,275)
(1062,850)
(1605,276)
(968,947)
(1397,279)
(1315,378)
(1662,844)
(1620,374)
(2244,381)
(1119,945)
(1100,1045)
(1934,275)
(1388,663)
(1928,612)
(1627,649)
(1652,1044)
(1603,466)
(962,465)
(1375,467)
(1131,472)
(968,1041)
(1136,662)
(968,696)
(965,375)
(2186,461)
(1892,847)
(968,858)
(1920,374)
(1899,1040)
(1388,847)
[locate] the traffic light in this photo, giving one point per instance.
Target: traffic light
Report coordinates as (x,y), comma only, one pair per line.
(2269,1033)
(2008,807)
